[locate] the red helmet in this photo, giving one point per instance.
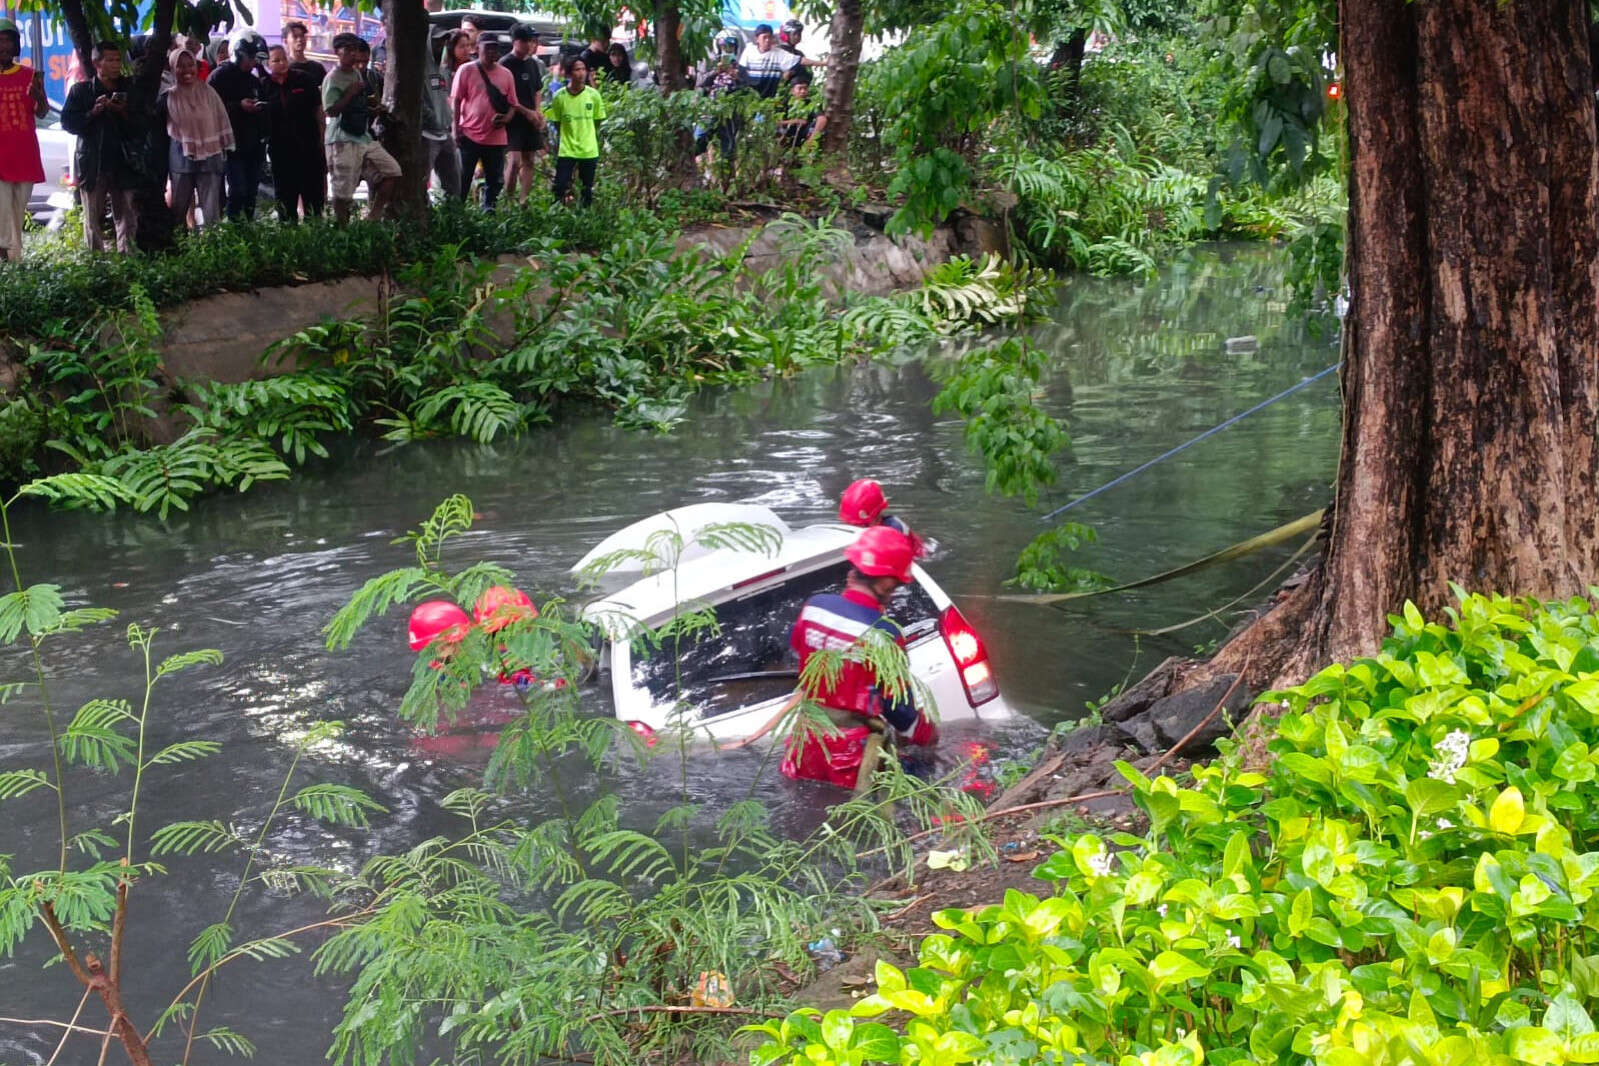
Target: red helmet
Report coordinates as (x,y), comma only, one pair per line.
(499,606)
(882,552)
(863,503)
(434,619)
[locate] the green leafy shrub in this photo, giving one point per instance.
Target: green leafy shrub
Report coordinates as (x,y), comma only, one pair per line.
(992,389)
(240,256)
(935,112)
(1043,565)
(1411,880)
(85,790)
(468,349)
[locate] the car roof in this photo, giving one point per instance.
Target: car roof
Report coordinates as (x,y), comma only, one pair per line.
(499,20)
(687,521)
(706,578)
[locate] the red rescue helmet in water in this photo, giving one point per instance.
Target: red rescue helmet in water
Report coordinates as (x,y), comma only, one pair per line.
(434,619)
(499,606)
(882,552)
(863,503)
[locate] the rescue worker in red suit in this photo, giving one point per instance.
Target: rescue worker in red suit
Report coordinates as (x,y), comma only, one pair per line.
(864,504)
(881,562)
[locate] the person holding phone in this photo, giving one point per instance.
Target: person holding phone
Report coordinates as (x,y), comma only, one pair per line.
(22,101)
(105,117)
(352,153)
(482,96)
(238,82)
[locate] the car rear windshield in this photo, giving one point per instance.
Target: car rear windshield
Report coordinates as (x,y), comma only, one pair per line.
(715,670)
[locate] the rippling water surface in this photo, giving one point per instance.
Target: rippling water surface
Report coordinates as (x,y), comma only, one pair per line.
(1138,369)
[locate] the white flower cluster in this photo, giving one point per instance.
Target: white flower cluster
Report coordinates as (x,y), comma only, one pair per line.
(1452,750)
(1100,864)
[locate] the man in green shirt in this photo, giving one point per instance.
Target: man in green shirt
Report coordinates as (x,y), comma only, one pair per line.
(577,108)
(352,153)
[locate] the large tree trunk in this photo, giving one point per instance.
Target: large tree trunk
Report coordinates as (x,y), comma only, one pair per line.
(1471,349)
(843,66)
(77,23)
(156,222)
(668,45)
(405,23)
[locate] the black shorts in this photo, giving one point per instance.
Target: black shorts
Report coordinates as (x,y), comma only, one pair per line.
(522,136)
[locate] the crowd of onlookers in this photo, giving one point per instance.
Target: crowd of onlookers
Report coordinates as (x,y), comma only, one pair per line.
(228,109)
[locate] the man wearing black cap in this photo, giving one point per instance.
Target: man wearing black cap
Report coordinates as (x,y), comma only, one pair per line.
(483,96)
(524,133)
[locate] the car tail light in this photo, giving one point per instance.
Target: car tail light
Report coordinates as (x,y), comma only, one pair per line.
(644,731)
(971,658)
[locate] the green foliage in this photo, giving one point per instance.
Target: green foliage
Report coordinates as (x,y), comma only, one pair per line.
(79,903)
(1410,880)
(71,287)
(634,328)
(104,375)
(1112,210)
(992,389)
(293,413)
(1043,567)
(1270,65)
(939,93)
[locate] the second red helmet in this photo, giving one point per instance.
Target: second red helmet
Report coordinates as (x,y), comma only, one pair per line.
(882,552)
(499,606)
(863,503)
(434,619)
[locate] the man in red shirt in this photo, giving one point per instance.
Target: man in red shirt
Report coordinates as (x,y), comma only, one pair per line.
(22,101)
(483,96)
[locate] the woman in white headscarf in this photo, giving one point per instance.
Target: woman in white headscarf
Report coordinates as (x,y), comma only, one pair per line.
(202,135)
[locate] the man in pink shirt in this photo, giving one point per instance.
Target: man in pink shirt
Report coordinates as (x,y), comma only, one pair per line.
(484,99)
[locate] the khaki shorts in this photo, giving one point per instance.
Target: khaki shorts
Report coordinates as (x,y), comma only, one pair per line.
(349,163)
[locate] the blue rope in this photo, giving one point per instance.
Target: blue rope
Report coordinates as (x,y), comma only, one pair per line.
(1212,431)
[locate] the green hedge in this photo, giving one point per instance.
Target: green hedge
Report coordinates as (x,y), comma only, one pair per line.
(1413,880)
(71,287)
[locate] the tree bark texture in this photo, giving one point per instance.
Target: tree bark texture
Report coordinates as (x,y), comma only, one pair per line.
(405,22)
(669,45)
(1471,348)
(843,67)
(156,222)
(76,19)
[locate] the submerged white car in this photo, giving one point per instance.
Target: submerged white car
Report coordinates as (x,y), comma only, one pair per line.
(733,680)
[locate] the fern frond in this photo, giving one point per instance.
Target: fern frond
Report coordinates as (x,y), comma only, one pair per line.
(193,838)
(36,608)
(184,751)
(14,784)
(93,491)
(183,660)
(338,804)
(375,598)
(92,738)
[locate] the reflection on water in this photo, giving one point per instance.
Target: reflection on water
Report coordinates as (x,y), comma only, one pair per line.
(1140,368)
